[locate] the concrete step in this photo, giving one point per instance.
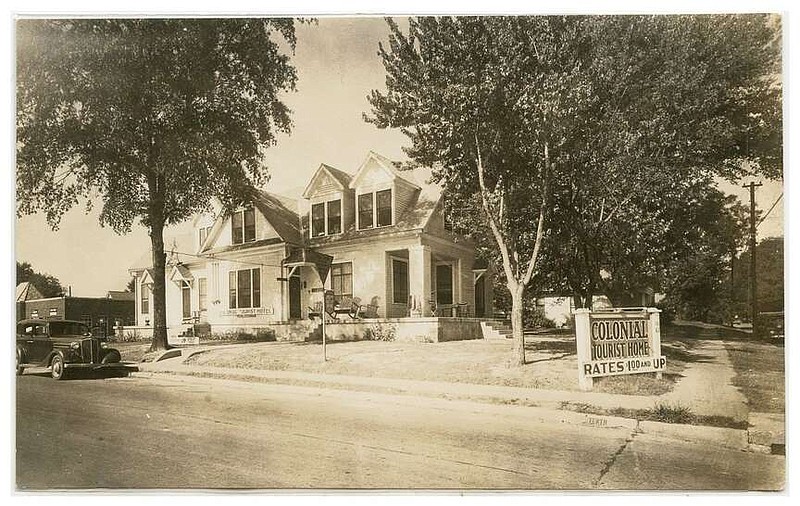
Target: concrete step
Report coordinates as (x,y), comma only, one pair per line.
(493,329)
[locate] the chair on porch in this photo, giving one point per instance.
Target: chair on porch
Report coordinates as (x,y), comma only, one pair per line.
(316,311)
(349,306)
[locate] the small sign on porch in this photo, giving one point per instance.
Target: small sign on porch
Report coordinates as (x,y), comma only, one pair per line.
(616,342)
(248,311)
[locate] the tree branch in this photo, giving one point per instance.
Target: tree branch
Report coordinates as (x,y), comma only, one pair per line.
(542,213)
(507,262)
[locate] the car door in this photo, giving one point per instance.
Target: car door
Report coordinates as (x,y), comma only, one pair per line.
(25,340)
(42,344)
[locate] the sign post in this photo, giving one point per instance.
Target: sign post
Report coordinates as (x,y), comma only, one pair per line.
(617,342)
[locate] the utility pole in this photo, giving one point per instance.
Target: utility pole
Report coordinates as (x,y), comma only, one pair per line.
(753,300)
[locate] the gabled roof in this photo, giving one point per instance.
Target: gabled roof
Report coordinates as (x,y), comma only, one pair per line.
(340,178)
(416,215)
(120,295)
(391,168)
(180,273)
(179,248)
(281,213)
(26,291)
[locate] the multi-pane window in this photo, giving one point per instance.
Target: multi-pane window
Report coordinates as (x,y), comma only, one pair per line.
(383,204)
(375,209)
(399,281)
(202,293)
(243,226)
(145,299)
(365,218)
(317,220)
(342,279)
(334,217)
(204,231)
(244,288)
(326,218)
(53,311)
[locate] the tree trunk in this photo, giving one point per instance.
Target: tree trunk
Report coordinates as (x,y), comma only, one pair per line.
(517,330)
(159,288)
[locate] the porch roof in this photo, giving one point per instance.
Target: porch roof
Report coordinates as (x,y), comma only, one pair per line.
(306,257)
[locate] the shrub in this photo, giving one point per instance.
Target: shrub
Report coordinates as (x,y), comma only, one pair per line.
(534,318)
(381,332)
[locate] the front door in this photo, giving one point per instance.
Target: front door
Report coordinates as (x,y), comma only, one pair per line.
(295,286)
(480,297)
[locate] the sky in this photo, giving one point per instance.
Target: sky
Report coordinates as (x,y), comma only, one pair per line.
(337,66)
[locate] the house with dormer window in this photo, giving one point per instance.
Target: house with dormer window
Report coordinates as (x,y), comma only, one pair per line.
(373,239)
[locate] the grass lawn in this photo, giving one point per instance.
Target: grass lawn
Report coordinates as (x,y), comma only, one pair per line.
(131,351)
(552,362)
(759,374)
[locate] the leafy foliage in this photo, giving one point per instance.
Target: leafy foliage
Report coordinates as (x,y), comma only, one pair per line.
(770,276)
(46,284)
(151,117)
(573,145)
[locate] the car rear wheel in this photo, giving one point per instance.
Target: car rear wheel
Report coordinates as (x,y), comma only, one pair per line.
(20,369)
(57,370)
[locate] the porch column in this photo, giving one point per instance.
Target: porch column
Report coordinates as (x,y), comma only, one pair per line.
(419,277)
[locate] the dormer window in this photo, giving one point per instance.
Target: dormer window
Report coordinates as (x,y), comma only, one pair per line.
(375,209)
(243,226)
(326,218)
(317,220)
(204,231)
(383,203)
(334,217)
(365,218)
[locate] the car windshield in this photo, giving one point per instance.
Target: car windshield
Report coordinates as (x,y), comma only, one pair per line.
(68,329)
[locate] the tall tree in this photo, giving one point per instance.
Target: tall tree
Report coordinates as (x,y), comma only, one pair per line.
(554,134)
(154,117)
(47,285)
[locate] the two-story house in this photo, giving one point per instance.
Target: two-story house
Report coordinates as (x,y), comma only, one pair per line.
(376,237)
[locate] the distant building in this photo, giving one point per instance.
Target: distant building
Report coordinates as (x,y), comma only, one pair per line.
(101,314)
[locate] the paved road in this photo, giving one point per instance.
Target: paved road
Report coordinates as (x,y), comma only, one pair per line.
(177,432)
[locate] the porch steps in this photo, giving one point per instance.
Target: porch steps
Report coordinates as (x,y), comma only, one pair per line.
(496,329)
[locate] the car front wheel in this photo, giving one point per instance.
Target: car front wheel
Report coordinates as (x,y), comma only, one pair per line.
(57,370)
(112,357)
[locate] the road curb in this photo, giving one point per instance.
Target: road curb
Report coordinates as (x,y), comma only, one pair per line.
(545,412)
(729,438)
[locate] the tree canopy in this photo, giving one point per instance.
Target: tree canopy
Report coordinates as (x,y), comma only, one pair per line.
(150,117)
(47,284)
(565,143)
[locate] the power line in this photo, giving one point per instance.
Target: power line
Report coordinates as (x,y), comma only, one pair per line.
(214,257)
(770,210)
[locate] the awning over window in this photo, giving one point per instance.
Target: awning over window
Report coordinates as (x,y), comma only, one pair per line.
(147,277)
(305,257)
(180,274)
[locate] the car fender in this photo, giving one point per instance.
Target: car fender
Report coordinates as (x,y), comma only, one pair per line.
(53,354)
(23,354)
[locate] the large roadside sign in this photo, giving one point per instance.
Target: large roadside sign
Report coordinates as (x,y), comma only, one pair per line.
(617,341)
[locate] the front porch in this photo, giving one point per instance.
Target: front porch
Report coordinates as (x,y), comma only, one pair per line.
(425,329)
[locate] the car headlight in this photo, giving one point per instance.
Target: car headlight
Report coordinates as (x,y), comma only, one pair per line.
(74,345)
(104,344)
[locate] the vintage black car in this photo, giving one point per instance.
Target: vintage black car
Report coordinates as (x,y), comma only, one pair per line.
(63,346)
